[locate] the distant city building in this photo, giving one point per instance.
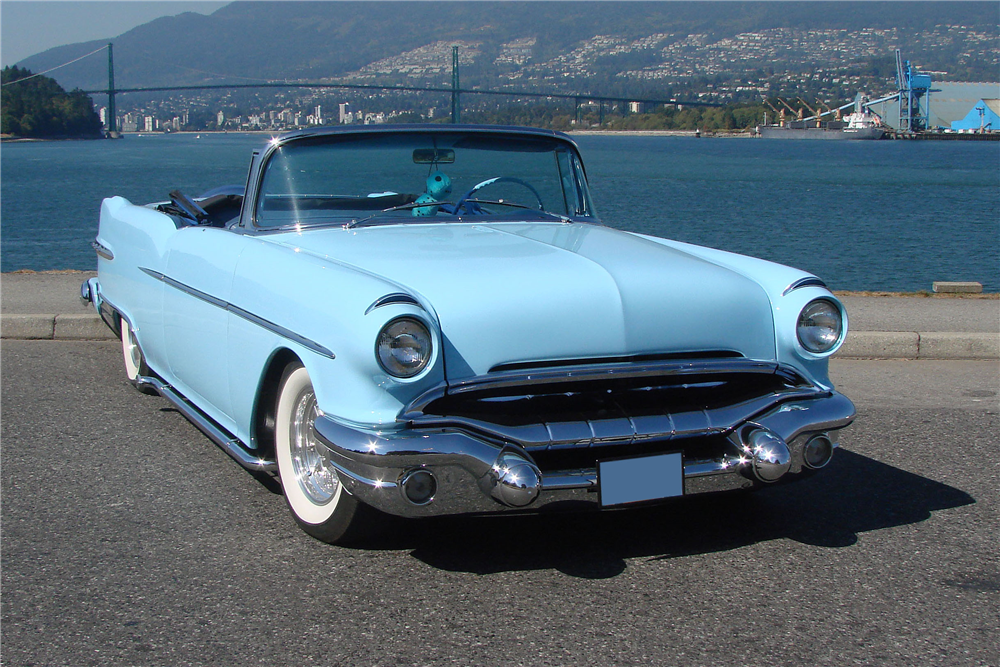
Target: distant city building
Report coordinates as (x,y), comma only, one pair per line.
(220,119)
(345,111)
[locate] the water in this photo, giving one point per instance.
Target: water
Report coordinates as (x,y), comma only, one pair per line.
(884,215)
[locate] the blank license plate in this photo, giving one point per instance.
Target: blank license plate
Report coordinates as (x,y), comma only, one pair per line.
(636,480)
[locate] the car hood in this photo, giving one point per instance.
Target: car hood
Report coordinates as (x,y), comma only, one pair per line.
(507,293)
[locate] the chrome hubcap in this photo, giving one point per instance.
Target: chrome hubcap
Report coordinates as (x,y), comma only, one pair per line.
(312,470)
(133,349)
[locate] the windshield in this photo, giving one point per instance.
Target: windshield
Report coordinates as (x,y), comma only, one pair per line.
(364,179)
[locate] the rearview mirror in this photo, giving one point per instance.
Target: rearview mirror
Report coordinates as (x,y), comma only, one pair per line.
(433,156)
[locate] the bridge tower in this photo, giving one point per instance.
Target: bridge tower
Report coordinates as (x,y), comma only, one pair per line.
(112,113)
(455,106)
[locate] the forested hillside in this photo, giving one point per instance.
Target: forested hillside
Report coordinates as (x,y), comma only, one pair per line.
(39,107)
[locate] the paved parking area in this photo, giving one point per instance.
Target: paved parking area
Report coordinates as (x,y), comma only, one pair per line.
(130,539)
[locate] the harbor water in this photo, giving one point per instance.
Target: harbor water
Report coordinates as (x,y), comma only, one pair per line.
(863,215)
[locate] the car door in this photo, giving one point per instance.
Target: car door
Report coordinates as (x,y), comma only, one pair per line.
(198,281)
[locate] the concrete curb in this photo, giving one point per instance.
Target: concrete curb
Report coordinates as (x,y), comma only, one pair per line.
(28,327)
(54,327)
(917,345)
(859,344)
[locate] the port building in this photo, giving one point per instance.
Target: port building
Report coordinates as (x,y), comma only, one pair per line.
(984,115)
(950,101)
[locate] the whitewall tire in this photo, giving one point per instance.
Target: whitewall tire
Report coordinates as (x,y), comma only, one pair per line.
(135,362)
(318,501)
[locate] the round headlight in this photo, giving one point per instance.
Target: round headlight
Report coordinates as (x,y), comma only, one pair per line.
(403,347)
(820,326)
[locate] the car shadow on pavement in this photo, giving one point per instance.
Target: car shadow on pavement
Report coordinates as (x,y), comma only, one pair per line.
(854,495)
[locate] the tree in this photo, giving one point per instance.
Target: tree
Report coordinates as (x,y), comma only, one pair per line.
(39,107)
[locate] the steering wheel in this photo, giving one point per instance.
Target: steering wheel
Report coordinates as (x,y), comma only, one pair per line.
(490,181)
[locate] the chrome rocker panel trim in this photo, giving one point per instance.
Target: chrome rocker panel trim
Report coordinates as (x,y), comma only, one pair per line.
(373,464)
(226,441)
(240,312)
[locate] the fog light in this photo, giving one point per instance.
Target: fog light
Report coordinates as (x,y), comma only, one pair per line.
(818,452)
(419,487)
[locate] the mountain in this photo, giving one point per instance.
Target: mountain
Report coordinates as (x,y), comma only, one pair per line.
(247,41)
(696,52)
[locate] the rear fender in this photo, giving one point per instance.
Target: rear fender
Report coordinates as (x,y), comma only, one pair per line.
(134,236)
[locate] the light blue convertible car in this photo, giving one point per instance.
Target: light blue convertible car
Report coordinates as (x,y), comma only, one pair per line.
(427,320)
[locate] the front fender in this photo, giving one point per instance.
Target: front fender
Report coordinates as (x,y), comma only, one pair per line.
(789,290)
(328,307)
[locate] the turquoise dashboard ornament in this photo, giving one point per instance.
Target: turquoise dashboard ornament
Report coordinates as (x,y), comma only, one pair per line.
(438,187)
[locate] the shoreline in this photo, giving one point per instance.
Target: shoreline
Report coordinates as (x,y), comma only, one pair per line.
(702,134)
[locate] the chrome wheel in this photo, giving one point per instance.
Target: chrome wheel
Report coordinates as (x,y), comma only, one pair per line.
(135,362)
(310,467)
(319,502)
(133,349)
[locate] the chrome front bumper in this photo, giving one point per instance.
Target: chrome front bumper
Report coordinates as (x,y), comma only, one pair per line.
(474,475)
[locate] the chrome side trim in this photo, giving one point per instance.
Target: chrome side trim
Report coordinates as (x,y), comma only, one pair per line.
(585,373)
(102,250)
(281,331)
(394,298)
(227,442)
(808,281)
(245,314)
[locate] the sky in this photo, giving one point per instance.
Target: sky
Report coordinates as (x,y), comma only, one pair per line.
(28,27)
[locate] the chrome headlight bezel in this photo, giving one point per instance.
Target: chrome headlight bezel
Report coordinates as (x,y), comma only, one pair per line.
(819,327)
(404,347)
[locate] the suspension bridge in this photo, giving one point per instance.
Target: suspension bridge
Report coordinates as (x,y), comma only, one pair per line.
(454,90)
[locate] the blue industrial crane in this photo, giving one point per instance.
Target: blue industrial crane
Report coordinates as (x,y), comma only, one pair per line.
(914,96)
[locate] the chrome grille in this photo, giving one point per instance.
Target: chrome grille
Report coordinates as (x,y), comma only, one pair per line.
(610,405)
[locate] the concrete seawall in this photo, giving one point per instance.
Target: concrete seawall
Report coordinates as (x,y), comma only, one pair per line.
(46,306)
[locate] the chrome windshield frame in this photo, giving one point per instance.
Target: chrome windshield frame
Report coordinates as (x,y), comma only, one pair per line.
(248,220)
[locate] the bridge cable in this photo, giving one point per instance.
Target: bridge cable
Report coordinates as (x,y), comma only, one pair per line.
(57,67)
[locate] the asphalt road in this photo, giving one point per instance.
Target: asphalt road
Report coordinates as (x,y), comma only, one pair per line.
(129,539)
